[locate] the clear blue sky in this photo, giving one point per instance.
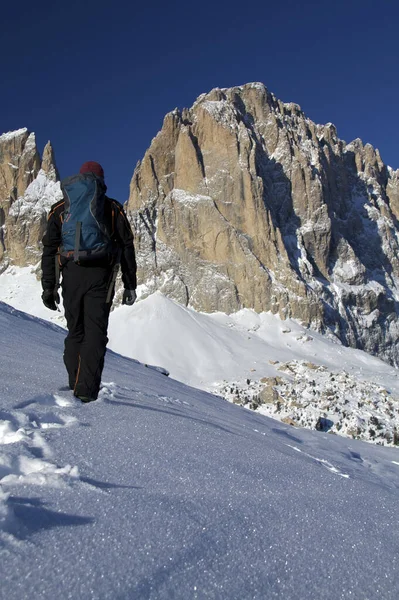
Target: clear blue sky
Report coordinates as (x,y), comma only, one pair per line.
(97,78)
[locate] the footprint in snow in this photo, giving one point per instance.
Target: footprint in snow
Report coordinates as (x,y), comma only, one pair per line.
(325,463)
(45,400)
(25,455)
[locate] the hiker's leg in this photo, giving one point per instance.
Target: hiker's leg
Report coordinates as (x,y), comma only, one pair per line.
(73,294)
(93,347)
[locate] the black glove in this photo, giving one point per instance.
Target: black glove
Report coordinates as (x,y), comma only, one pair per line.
(50,299)
(129,297)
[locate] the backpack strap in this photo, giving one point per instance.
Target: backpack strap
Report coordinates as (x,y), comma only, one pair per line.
(77,241)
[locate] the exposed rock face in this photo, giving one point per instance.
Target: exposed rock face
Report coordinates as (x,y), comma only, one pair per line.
(28,187)
(241,201)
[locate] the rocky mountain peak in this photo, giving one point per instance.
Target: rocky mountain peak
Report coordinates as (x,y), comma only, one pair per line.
(28,186)
(243,201)
(19,163)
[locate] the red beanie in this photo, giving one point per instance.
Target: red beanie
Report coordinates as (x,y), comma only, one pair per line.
(92,167)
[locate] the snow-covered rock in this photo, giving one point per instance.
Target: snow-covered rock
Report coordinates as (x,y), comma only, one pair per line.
(308,395)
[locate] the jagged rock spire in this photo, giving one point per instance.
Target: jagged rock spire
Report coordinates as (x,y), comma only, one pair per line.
(27,188)
(49,165)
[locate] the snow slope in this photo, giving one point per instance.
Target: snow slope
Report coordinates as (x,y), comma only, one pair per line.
(159,490)
(355,394)
(204,349)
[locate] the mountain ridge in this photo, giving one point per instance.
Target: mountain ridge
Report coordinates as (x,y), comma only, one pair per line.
(242,201)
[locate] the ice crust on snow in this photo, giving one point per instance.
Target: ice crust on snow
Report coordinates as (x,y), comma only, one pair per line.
(159,491)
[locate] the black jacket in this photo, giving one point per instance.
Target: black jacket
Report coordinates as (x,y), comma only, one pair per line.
(121,234)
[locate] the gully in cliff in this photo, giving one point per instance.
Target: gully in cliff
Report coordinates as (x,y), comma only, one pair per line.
(88,236)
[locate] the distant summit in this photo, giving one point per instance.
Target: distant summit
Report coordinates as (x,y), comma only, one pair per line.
(242,201)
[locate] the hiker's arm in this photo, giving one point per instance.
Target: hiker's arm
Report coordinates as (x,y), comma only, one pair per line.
(51,242)
(128,257)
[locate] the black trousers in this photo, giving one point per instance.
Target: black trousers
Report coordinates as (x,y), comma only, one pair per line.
(84,291)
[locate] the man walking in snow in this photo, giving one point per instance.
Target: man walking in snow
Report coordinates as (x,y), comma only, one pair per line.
(87,236)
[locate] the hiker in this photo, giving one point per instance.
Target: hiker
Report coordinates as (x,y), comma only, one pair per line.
(87,236)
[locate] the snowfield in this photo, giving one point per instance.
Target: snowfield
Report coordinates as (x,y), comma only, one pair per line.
(160,491)
(277,368)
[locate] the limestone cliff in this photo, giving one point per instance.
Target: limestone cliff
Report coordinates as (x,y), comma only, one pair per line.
(28,187)
(242,201)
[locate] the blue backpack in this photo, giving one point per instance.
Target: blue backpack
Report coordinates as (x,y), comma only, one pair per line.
(85,234)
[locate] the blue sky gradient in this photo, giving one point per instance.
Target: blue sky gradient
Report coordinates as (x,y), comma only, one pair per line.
(97,78)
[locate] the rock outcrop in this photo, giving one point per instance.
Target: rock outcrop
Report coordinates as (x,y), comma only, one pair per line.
(242,201)
(28,187)
(312,396)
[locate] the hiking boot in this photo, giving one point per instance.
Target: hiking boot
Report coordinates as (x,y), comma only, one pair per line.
(86,399)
